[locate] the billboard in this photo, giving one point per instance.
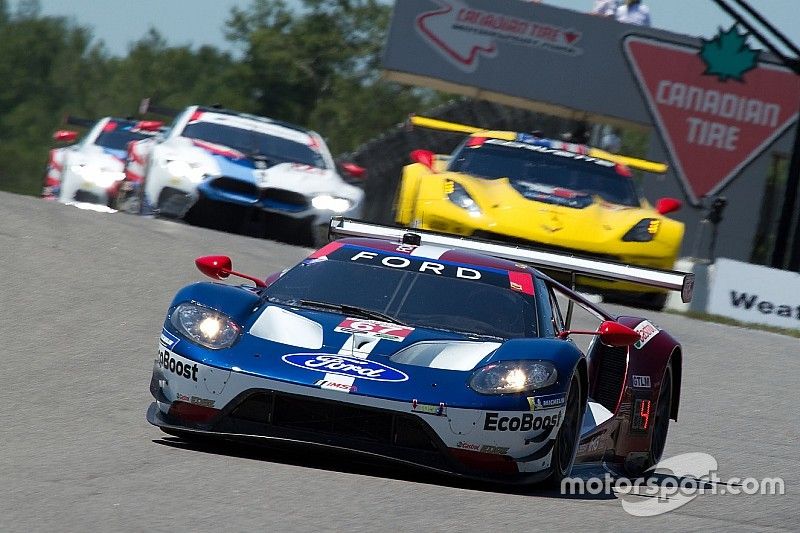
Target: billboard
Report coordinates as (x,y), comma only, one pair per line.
(713,119)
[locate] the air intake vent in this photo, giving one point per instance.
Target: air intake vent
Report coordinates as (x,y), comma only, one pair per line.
(610,375)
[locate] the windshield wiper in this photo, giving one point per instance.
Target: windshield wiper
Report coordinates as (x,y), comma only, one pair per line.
(352,310)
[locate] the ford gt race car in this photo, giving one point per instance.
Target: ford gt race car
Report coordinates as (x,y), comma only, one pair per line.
(523,189)
(450,354)
(91,170)
(227,167)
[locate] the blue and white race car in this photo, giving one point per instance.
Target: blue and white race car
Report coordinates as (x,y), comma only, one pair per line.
(226,166)
(92,169)
(432,350)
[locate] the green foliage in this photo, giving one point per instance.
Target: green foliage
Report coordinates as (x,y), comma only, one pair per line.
(727,55)
(316,66)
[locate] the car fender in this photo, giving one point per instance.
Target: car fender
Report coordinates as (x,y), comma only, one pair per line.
(237,302)
(408,192)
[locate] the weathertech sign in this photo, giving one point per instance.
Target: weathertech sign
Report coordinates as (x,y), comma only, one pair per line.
(463,34)
(712,128)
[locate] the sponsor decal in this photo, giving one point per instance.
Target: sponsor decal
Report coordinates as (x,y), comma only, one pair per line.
(333,385)
(168,339)
(169,363)
(713,128)
(438,410)
(482,448)
(640,382)
(593,445)
(549,401)
(196,400)
(405,248)
(523,422)
(462,34)
(520,282)
(494,450)
(552,151)
(374,328)
(341,365)
(431,267)
(646,331)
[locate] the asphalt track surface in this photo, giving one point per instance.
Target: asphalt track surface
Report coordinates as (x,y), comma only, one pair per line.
(82,301)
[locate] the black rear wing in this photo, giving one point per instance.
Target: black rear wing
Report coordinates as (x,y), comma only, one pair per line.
(664,279)
(146,106)
(72,120)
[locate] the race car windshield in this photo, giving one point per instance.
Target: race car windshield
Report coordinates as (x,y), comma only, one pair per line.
(252,143)
(494,161)
(419,299)
(118,139)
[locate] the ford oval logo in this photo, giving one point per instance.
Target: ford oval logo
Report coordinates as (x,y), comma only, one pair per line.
(345,366)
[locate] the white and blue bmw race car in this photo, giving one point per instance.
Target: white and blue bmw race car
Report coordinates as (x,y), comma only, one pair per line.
(92,169)
(432,350)
(226,166)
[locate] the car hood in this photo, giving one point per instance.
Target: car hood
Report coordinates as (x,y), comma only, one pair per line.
(295,177)
(102,157)
(560,213)
(311,347)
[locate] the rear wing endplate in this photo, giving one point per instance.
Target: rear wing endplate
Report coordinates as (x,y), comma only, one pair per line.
(664,279)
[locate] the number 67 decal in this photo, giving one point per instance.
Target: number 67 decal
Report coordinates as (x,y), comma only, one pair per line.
(374,328)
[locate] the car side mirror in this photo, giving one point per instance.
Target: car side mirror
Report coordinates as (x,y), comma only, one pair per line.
(65,136)
(220,267)
(668,205)
(423,157)
(615,334)
(354,171)
(214,266)
(611,334)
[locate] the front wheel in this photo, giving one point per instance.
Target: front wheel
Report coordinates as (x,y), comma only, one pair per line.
(566,444)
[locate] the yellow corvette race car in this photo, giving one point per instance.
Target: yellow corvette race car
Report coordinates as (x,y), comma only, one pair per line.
(522,189)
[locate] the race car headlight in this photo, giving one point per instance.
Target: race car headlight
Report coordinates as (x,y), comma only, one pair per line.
(331,203)
(513,376)
(457,194)
(643,231)
(205,326)
(183,169)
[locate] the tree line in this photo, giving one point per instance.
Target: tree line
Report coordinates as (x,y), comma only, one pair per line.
(317,66)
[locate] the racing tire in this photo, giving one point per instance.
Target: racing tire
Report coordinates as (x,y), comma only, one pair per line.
(319,236)
(658,434)
(566,442)
(654,301)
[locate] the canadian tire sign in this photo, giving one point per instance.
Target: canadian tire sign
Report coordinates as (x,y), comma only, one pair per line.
(463,34)
(712,128)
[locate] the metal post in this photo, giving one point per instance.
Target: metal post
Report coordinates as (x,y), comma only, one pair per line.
(782,244)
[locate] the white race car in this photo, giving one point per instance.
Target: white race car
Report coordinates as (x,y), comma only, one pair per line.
(92,169)
(226,168)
